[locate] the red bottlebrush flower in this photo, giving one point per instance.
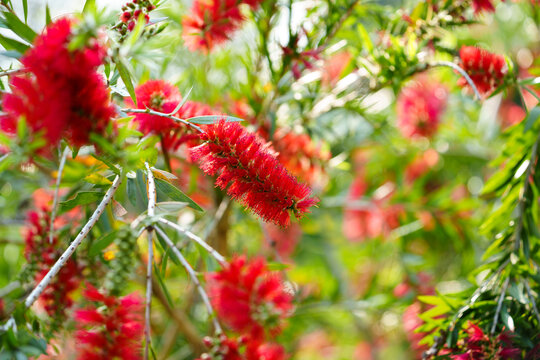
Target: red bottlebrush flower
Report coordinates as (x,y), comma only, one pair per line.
(64,96)
(114,331)
(420,107)
(56,299)
(511,114)
(243,348)
(299,154)
(486,70)
(411,321)
(254,176)
(283,241)
(421,165)
(365,219)
(249,298)
(483,5)
(157,95)
(211,22)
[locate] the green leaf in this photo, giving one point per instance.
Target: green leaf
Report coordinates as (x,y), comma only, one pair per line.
(163,286)
(12,44)
(109,164)
(89,6)
(102,243)
(175,194)
(82,198)
(212,119)
(534,114)
(48,18)
(18,27)
(126,78)
(170,207)
(181,103)
(25,10)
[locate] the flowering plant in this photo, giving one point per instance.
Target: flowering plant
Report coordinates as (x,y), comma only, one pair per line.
(266,180)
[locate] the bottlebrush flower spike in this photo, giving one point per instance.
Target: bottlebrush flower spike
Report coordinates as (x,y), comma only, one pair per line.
(64,96)
(110,332)
(41,254)
(211,22)
(249,298)
(483,5)
(420,107)
(242,348)
(253,176)
(487,70)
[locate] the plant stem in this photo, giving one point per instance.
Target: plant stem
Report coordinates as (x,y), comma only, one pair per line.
(197,239)
(168,116)
(57,188)
(194,278)
(499,305)
(150,262)
(533,301)
(73,246)
(461,71)
(13,72)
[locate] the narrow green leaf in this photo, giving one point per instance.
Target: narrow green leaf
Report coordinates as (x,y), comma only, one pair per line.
(48,18)
(18,27)
(181,103)
(102,243)
(25,10)
(82,198)
(126,78)
(13,45)
(534,114)
(109,164)
(163,286)
(89,5)
(175,194)
(212,119)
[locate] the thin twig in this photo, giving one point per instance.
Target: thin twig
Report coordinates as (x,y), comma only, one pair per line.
(168,116)
(3,157)
(223,206)
(220,258)
(73,246)
(13,72)
(56,190)
(499,305)
(461,71)
(194,278)
(150,262)
(533,301)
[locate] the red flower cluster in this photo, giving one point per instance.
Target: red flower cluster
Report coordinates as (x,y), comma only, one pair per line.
(420,107)
(243,348)
(56,299)
(211,22)
(370,218)
(249,298)
(299,154)
(64,96)
(478,346)
(164,97)
(487,70)
(110,332)
(256,178)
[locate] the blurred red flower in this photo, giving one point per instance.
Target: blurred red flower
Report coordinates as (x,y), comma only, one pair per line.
(420,107)
(64,96)
(249,298)
(112,331)
(487,70)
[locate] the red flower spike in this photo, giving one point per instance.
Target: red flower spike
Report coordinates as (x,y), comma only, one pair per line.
(211,22)
(253,176)
(64,96)
(111,332)
(56,299)
(420,107)
(483,5)
(249,298)
(486,70)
